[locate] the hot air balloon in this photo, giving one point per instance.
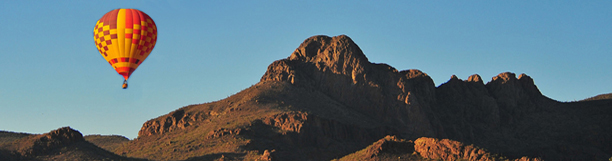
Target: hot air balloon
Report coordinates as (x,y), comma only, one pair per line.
(125,37)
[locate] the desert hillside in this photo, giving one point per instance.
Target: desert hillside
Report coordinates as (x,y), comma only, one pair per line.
(60,144)
(328,101)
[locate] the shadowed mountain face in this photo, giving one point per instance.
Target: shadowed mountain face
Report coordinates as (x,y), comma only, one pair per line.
(326,101)
(513,118)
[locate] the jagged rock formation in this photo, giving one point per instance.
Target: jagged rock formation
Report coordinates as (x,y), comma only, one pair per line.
(511,116)
(470,109)
(327,100)
(444,149)
(176,120)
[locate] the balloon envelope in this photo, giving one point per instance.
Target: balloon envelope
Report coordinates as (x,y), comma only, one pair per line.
(125,37)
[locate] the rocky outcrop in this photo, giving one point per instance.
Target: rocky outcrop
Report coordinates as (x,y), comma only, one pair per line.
(267,156)
(338,68)
(42,144)
(176,120)
(424,148)
(222,132)
(291,121)
(449,150)
(444,149)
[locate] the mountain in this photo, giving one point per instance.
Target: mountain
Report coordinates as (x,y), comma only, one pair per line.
(61,144)
(328,101)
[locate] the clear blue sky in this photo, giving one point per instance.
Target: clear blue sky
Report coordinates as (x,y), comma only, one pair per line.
(51,74)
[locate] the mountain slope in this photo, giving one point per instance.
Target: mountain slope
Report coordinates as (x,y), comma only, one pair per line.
(107,142)
(61,144)
(599,97)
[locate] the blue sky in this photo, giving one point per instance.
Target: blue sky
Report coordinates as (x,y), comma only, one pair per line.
(51,74)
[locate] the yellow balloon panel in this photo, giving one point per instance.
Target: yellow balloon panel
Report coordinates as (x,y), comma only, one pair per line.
(125,37)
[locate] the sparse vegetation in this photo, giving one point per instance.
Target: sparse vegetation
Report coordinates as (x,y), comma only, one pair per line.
(599,97)
(108,142)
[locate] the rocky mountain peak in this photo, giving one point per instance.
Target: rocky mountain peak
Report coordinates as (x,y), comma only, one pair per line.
(529,86)
(64,134)
(505,77)
(454,77)
(323,48)
(454,80)
(337,67)
(339,54)
(475,78)
(507,85)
